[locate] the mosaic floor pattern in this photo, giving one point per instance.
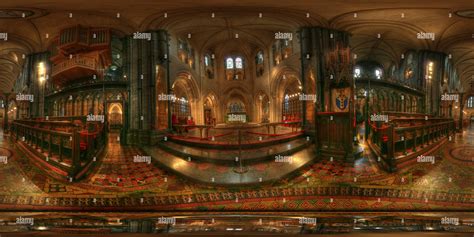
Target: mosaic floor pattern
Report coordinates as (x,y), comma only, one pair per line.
(119,168)
(121,183)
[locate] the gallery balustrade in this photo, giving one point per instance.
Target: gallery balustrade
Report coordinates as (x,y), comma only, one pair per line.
(89,84)
(76,61)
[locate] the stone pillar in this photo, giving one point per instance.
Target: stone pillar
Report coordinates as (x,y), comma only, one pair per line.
(431,86)
(328,52)
(142,58)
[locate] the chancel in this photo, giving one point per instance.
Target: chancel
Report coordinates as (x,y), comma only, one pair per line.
(236,117)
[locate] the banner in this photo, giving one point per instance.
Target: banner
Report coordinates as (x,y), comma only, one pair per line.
(340,98)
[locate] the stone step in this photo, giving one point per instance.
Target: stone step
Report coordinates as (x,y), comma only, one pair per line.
(234,156)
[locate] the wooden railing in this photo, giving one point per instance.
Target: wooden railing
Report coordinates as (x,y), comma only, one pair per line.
(402,139)
(398,114)
(81,61)
(59,119)
(333,133)
(64,147)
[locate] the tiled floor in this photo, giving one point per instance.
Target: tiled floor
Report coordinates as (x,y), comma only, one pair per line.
(323,185)
(119,169)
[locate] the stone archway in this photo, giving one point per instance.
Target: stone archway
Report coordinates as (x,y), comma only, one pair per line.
(285,81)
(288,103)
(210,109)
(185,102)
(115,115)
(237,102)
(262,105)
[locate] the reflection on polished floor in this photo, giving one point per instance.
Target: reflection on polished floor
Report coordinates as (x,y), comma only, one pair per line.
(225,223)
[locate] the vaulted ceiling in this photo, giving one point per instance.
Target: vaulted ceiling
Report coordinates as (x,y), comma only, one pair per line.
(397,23)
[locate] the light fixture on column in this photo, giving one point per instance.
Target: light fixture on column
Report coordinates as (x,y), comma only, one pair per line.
(430,70)
(41,71)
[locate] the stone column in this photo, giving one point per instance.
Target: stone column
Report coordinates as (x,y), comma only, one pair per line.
(142,58)
(328,52)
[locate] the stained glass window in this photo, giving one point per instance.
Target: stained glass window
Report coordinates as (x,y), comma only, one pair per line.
(357,73)
(238,63)
(229,63)
(470,102)
(206,60)
(378,73)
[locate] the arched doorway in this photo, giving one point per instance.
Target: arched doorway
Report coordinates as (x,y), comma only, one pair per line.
(184,101)
(291,104)
(210,109)
(263,107)
(180,106)
(237,106)
(114,115)
(287,90)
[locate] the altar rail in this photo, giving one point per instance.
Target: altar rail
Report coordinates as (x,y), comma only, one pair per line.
(399,142)
(64,147)
(237,135)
